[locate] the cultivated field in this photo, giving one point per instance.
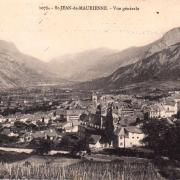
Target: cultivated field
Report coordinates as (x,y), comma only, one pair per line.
(81,171)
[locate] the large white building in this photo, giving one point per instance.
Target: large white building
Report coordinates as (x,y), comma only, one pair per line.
(126,137)
(163,110)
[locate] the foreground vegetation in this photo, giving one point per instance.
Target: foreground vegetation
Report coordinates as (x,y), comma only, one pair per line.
(163,137)
(83,170)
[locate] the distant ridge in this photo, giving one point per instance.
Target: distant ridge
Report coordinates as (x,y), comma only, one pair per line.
(94,63)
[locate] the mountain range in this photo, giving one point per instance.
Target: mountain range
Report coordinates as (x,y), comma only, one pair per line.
(101,68)
(159,62)
(94,63)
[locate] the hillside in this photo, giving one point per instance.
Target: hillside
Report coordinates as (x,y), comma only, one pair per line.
(160,62)
(19,70)
(97,63)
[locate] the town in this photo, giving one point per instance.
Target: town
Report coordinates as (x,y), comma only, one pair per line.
(90,123)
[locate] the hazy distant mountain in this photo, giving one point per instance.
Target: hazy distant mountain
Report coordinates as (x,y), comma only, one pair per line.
(17,69)
(80,66)
(160,62)
(95,63)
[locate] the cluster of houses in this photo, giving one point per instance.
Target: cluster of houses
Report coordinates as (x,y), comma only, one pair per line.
(127,118)
(164,109)
(90,119)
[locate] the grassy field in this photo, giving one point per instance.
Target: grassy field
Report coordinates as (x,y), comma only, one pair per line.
(84,170)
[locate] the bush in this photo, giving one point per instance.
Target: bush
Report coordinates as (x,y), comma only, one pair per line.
(42,146)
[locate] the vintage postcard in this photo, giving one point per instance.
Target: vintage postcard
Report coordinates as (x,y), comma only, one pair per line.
(90,89)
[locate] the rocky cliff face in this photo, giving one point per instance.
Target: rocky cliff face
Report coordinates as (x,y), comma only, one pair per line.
(160,62)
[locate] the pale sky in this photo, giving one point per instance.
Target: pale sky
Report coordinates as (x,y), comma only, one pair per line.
(48,34)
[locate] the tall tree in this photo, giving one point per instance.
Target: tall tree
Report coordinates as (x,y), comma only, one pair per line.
(98,115)
(162,136)
(109,125)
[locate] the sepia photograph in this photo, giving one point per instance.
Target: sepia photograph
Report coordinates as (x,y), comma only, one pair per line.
(90,89)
